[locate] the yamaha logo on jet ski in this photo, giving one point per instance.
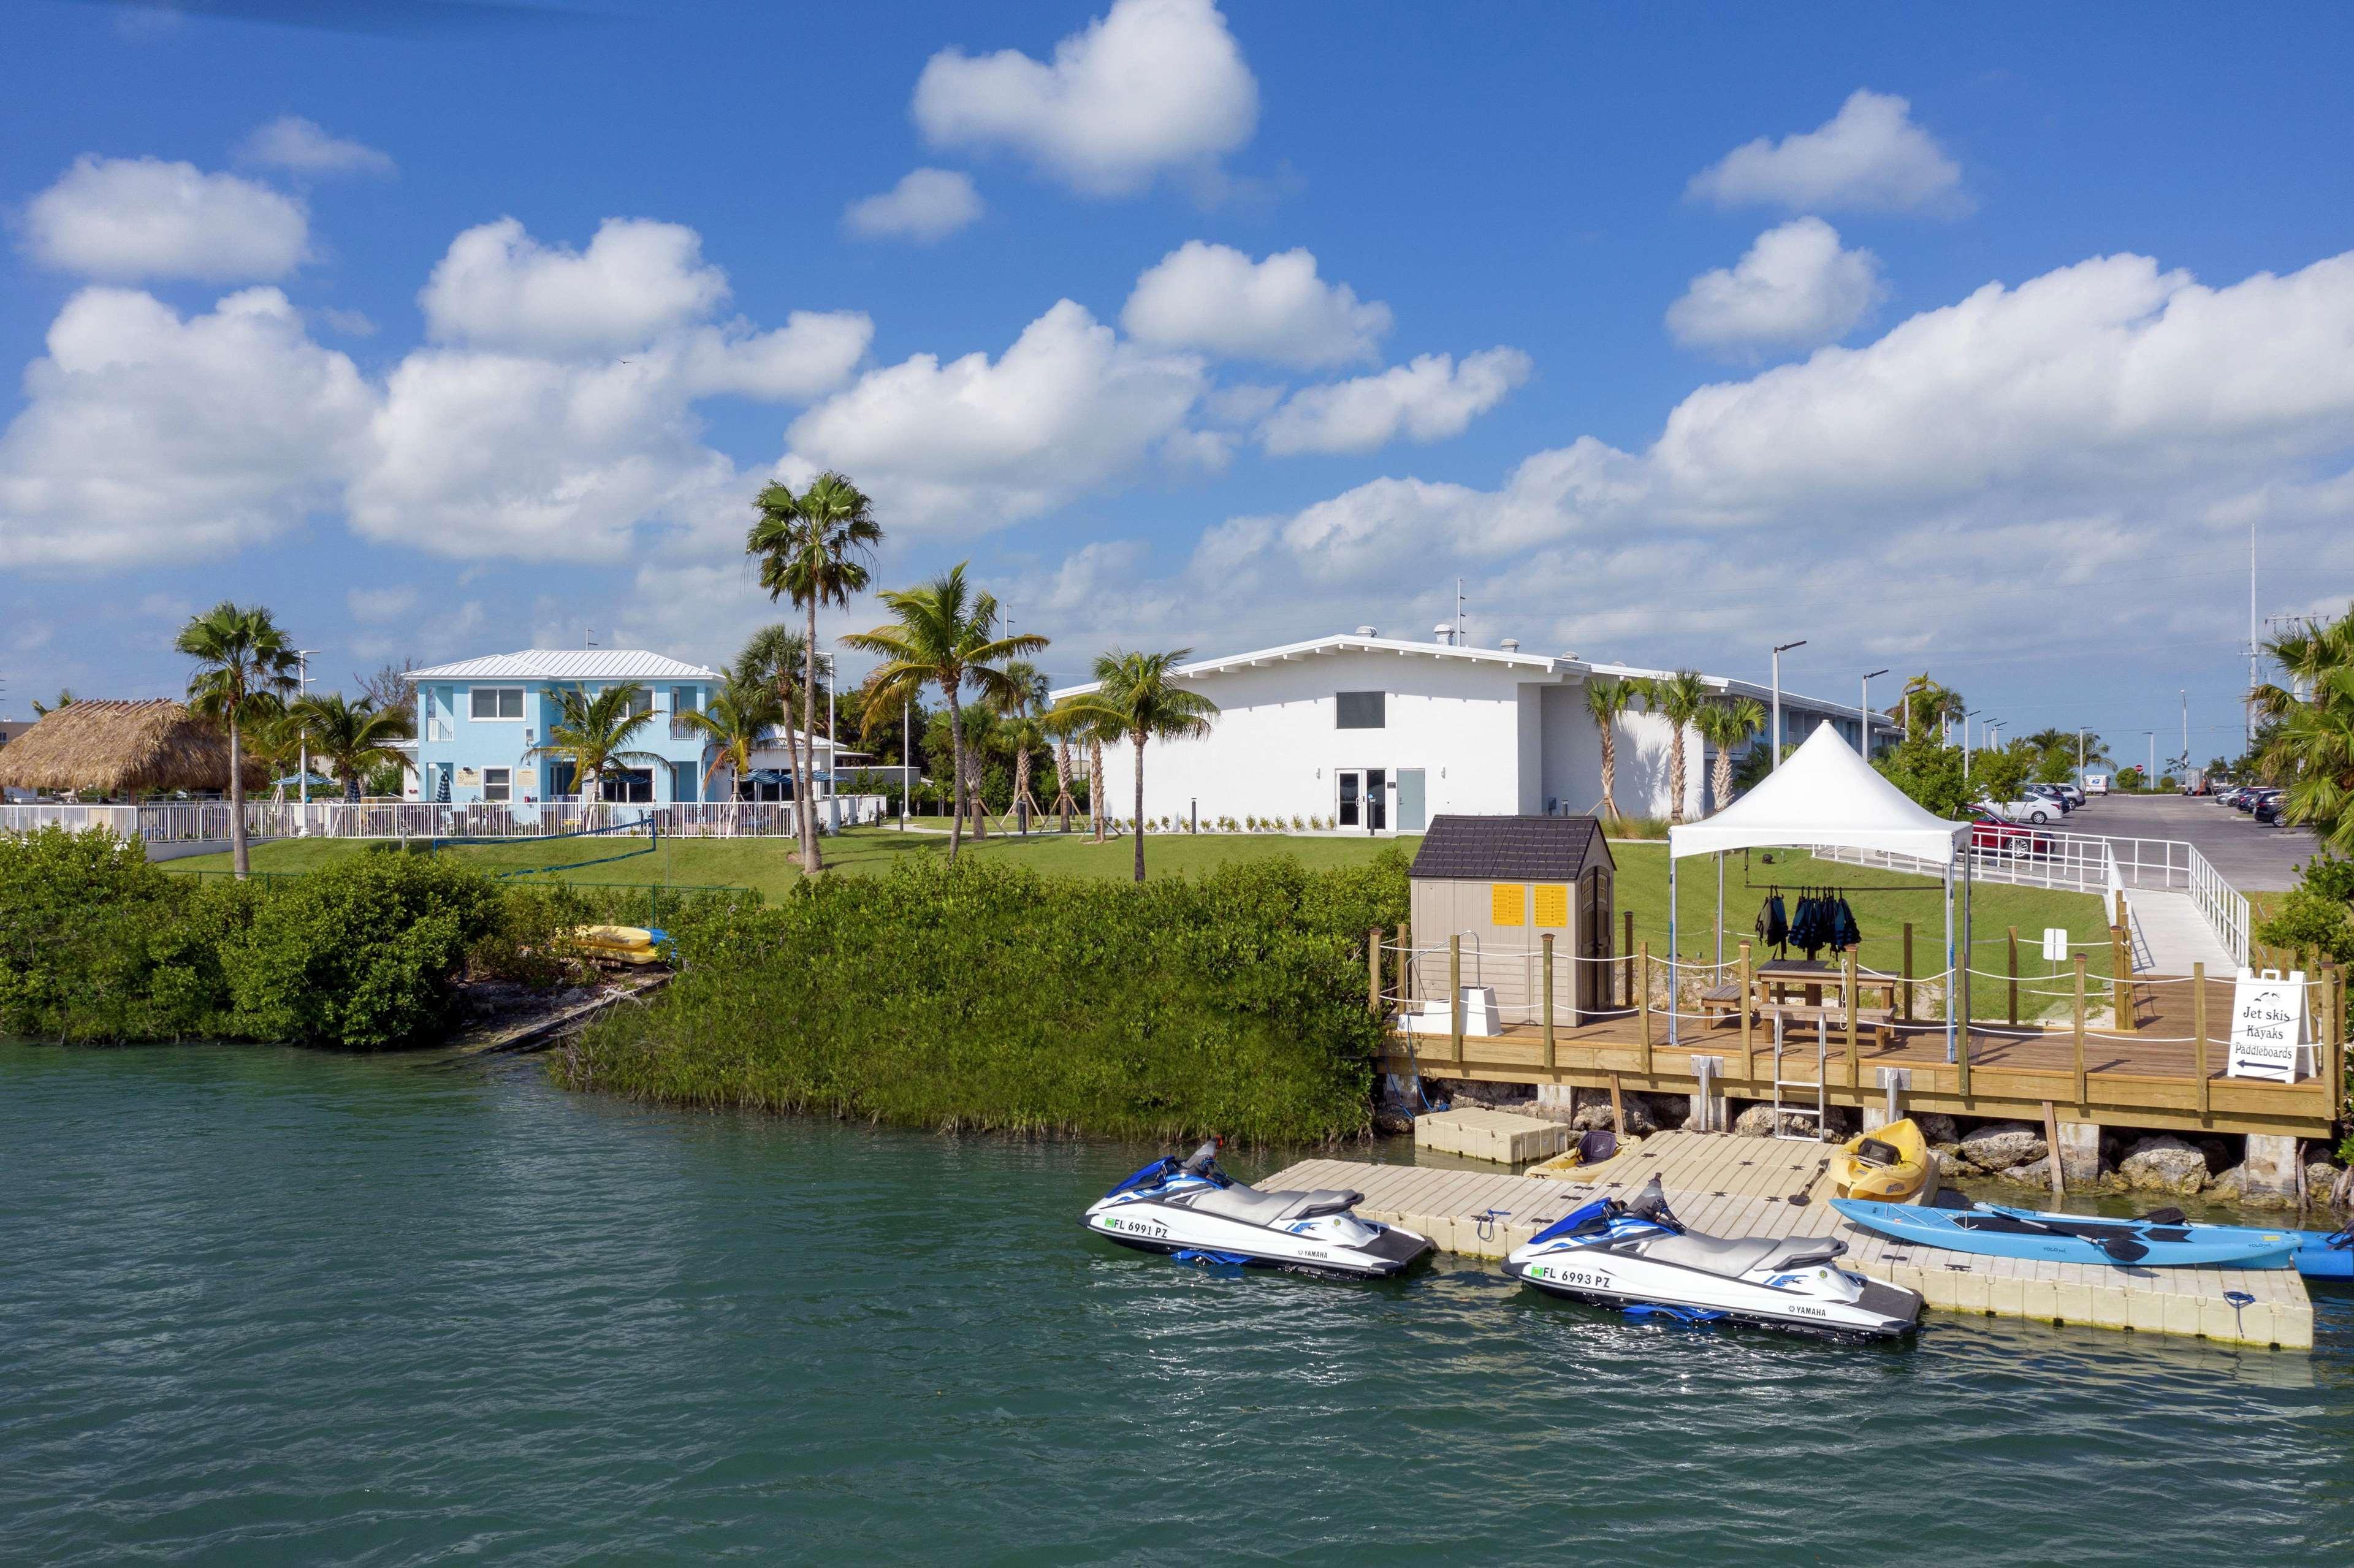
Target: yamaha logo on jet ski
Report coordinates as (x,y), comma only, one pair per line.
(1638,1256)
(1193,1209)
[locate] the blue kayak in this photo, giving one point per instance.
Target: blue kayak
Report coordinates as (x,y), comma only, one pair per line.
(2160,1241)
(2320,1254)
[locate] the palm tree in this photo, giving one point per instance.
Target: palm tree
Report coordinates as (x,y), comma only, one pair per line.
(1725,724)
(1680,699)
(273,739)
(1139,694)
(2309,744)
(945,636)
(241,654)
(1608,702)
(1925,703)
(593,733)
(1071,720)
(1022,703)
(42,710)
(809,546)
(731,725)
(354,739)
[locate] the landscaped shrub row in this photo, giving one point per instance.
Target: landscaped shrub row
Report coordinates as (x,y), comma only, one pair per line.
(986,996)
(98,946)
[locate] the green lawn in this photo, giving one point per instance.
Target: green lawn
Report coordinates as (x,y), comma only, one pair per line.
(1883,901)
(764,864)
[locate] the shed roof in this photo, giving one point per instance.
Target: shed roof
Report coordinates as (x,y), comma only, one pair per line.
(569,664)
(122,747)
(1510,849)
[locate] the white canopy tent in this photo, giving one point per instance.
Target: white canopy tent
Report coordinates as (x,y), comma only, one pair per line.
(1824,796)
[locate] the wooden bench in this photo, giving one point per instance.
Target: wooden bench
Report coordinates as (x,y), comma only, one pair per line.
(1720,1001)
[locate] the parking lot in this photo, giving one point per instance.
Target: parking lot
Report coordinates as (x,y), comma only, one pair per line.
(2250,857)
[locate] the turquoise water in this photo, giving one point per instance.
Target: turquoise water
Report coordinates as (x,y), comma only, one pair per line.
(263,1306)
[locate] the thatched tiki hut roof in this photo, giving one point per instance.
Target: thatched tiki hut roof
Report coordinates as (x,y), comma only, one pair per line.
(123,748)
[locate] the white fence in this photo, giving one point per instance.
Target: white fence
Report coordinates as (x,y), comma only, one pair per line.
(2084,863)
(209,819)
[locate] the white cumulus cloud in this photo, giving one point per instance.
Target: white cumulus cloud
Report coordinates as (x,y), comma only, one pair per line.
(147,438)
(1870,156)
(925,205)
(1214,297)
(1429,400)
(1795,288)
(498,287)
(1152,86)
(126,219)
(304,147)
(971,443)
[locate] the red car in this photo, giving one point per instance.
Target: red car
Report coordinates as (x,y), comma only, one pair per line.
(1992,835)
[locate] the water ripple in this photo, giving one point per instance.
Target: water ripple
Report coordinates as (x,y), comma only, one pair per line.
(263,1307)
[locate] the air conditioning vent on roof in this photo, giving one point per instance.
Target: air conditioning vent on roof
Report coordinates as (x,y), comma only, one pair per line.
(1367,631)
(1510,645)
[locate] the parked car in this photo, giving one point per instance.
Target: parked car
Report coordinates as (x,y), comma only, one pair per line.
(2255,797)
(2056,795)
(2075,796)
(1989,834)
(2026,808)
(2268,810)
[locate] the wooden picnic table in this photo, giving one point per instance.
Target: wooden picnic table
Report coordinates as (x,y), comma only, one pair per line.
(1775,977)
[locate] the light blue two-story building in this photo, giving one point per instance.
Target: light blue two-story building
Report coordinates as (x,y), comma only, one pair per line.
(481,721)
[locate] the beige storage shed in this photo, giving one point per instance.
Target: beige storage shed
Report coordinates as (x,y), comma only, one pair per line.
(1501,884)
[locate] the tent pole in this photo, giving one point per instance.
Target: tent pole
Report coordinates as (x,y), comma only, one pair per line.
(1671,947)
(1949,962)
(1719,909)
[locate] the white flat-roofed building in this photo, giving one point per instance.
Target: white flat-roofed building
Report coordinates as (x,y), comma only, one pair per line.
(1381,734)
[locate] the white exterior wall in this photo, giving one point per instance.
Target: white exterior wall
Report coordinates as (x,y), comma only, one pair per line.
(1274,750)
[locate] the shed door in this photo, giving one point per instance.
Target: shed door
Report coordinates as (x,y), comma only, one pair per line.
(1410,818)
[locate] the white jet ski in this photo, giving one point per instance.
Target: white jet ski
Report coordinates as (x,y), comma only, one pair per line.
(1196,1213)
(1638,1257)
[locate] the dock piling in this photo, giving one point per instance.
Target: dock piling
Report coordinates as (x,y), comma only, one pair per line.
(2082,1102)
(1643,999)
(2198,1033)
(1454,995)
(1547,945)
(1748,1010)
(2013,1009)
(1373,971)
(1908,971)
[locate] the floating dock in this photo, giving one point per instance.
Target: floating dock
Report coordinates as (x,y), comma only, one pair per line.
(1723,1185)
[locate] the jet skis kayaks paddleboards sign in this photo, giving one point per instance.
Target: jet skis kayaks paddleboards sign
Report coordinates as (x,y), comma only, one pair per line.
(1638,1257)
(2163,1241)
(1193,1211)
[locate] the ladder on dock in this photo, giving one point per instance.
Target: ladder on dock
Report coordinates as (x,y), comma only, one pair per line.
(1820,1110)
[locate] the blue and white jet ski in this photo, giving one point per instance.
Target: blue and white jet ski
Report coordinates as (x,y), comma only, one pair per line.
(1638,1256)
(1196,1213)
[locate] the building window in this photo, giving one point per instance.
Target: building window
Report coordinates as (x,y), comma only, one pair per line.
(498,703)
(1358,710)
(497,784)
(642,702)
(682,780)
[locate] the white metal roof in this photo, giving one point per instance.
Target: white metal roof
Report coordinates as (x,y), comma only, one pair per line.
(1823,796)
(569,664)
(1536,663)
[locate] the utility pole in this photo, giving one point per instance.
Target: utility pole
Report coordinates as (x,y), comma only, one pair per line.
(1779,649)
(2080,759)
(1459,613)
(2150,778)
(906,765)
(2186,732)
(1863,716)
(2248,707)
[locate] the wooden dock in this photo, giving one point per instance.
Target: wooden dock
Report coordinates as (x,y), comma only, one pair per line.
(2153,1077)
(1723,1185)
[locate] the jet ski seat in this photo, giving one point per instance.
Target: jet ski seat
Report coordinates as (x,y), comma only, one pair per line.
(1253,1207)
(1738,1254)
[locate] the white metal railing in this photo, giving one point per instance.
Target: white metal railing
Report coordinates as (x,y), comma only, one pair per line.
(2085,862)
(187,821)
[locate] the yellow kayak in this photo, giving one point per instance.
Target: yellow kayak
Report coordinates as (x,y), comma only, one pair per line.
(621,944)
(1892,1164)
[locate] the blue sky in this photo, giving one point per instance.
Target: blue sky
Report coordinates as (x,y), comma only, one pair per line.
(1946,340)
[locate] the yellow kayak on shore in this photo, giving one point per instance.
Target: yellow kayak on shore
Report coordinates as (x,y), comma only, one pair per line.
(1891,1164)
(623,944)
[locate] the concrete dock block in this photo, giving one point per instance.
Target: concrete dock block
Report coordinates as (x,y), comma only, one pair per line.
(1506,1138)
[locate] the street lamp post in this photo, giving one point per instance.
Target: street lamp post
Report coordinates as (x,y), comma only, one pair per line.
(1863,716)
(1779,649)
(303,768)
(2150,778)
(1965,741)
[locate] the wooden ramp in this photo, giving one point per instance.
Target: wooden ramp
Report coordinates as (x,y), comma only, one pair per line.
(1741,1186)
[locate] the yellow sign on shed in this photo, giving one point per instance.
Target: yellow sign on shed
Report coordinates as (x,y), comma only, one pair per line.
(1506,901)
(1552,904)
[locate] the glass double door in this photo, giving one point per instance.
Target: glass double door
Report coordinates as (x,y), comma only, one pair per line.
(1364,798)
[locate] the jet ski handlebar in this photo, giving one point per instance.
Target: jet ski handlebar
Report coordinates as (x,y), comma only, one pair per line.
(1198,1163)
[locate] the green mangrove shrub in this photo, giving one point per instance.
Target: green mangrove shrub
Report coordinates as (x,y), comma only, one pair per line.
(986,996)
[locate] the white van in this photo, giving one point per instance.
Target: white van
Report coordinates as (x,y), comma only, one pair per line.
(2096,783)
